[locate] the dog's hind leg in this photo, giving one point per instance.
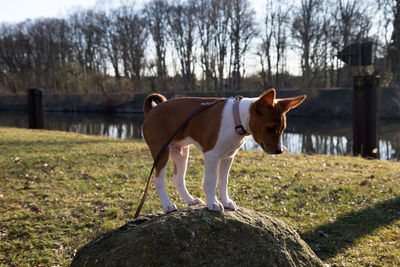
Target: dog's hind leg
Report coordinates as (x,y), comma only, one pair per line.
(180,155)
(159,181)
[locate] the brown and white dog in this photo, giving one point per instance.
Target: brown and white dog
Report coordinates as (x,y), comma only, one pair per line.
(213,132)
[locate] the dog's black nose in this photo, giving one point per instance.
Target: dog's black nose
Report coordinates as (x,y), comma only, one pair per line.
(278,151)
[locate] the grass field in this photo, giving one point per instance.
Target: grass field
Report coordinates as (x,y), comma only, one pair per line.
(59,190)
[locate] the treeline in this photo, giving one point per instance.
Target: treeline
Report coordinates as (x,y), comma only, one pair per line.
(197,45)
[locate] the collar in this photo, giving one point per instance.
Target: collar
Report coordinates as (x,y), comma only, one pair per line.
(239,129)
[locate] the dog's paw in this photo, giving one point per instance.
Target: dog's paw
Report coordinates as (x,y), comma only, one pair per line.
(170,208)
(196,201)
(215,206)
(229,204)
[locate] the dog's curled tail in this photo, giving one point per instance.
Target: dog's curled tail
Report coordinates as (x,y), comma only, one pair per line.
(151,101)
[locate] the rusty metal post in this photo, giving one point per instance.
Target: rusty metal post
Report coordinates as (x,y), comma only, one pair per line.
(366,96)
(371,97)
(35,108)
(358,117)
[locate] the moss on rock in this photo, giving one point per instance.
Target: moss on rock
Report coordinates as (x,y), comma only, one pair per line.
(195,236)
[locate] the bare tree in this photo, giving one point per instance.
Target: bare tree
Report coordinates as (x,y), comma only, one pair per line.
(305,31)
(16,67)
(92,34)
(90,55)
(182,30)
(133,35)
(261,53)
(156,12)
(206,31)
(326,33)
(39,47)
(242,32)
(386,12)
(387,9)
(280,38)
(34,53)
(394,48)
(112,43)
(352,24)
(265,51)
(49,49)
(221,17)
(274,43)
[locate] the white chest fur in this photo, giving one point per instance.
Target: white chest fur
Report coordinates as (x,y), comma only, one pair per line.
(229,142)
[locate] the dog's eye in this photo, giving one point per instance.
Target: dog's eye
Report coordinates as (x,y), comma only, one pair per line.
(271,129)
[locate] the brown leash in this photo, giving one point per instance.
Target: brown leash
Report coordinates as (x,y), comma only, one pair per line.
(203,106)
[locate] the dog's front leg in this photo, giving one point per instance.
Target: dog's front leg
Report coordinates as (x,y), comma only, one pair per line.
(210,182)
(224,167)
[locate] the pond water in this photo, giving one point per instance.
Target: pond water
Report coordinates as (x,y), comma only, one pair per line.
(301,136)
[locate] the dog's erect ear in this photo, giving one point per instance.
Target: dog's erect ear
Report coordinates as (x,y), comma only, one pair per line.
(267,99)
(290,103)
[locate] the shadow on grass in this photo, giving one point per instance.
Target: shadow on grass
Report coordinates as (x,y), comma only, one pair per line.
(330,239)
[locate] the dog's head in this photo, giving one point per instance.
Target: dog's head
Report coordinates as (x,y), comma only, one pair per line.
(268,119)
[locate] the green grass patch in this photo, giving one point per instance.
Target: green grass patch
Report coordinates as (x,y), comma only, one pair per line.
(59,190)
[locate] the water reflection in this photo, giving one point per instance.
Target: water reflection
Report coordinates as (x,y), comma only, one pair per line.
(117,126)
(310,144)
(302,135)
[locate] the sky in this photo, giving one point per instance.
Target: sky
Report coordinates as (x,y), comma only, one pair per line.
(18,10)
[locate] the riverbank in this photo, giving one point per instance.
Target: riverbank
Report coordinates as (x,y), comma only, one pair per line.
(59,190)
(320,103)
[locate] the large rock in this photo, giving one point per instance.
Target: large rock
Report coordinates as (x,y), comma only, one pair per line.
(196,237)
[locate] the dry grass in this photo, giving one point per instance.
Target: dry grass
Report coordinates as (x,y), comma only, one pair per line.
(59,190)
